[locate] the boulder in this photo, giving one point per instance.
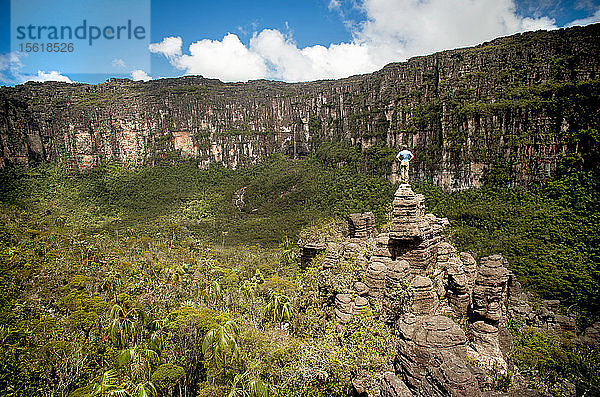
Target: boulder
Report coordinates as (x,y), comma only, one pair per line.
(361,226)
(490,289)
(425,299)
(375,279)
(343,308)
(566,323)
(432,358)
(591,335)
(391,386)
(361,288)
(485,347)
(360,303)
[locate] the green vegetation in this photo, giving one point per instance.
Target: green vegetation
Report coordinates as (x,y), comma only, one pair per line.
(549,234)
(150,282)
(552,363)
(94,314)
(282,196)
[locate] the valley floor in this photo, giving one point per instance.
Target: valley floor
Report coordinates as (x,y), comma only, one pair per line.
(152,280)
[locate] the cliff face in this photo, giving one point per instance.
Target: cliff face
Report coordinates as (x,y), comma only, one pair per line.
(511,107)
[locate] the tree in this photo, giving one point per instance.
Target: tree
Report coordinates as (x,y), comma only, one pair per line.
(108,385)
(280,308)
(242,387)
(220,346)
(140,343)
(212,293)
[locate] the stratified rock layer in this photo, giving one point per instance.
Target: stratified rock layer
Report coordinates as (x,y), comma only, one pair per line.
(416,277)
(361,225)
(432,358)
(460,111)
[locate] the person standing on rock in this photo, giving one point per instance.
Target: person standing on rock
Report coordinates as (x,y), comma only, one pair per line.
(404,156)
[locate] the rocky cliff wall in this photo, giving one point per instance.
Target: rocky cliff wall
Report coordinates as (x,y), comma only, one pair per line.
(507,106)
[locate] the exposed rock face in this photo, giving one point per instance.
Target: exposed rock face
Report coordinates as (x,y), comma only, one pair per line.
(591,335)
(425,299)
(458,293)
(309,250)
(395,294)
(490,289)
(415,277)
(488,312)
(470,269)
(408,223)
(375,279)
(459,111)
(411,272)
(485,348)
(432,358)
(545,316)
(361,225)
(392,386)
(343,307)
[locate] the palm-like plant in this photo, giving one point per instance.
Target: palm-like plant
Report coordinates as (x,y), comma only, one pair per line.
(288,251)
(140,343)
(241,387)
(142,389)
(107,385)
(279,308)
(120,326)
(212,293)
(220,346)
(140,360)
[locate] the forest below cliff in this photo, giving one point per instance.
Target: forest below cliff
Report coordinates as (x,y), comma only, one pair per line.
(516,104)
(148,281)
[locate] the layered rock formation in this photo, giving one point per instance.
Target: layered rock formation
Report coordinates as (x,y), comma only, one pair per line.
(420,282)
(432,358)
(361,225)
(487,111)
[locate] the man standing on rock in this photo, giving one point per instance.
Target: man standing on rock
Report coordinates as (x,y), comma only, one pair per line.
(405,156)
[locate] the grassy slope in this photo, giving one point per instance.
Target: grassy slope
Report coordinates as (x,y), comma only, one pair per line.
(281,197)
(548,234)
(150,233)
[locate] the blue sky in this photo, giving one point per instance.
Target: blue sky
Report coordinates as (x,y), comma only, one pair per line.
(284,40)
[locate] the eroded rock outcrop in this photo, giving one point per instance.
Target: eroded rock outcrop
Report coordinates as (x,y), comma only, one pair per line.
(432,357)
(421,283)
(544,316)
(488,312)
(361,226)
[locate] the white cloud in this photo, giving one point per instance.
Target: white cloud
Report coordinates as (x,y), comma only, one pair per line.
(138,74)
(118,63)
(398,29)
(169,47)
(48,76)
(394,30)
(10,67)
(287,62)
(11,71)
(228,60)
(586,21)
